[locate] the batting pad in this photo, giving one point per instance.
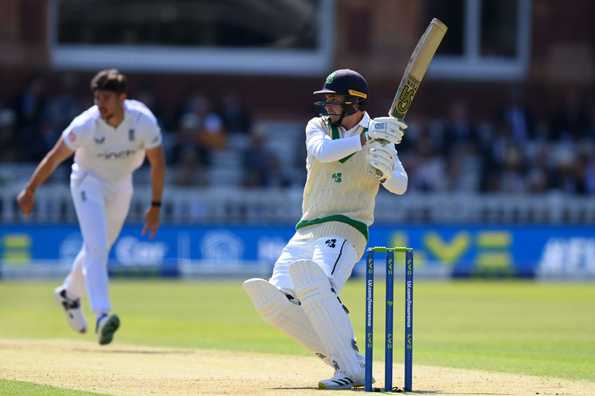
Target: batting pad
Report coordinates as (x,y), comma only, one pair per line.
(274,307)
(327,316)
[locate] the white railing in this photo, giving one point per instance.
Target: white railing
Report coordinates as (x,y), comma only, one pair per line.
(241,206)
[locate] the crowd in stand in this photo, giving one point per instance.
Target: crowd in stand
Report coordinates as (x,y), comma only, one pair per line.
(206,138)
(514,152)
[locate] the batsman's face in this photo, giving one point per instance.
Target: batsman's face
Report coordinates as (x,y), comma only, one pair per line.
(333,104)
(109,103)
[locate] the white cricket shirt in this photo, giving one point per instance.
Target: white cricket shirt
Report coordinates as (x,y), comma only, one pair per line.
(112,153)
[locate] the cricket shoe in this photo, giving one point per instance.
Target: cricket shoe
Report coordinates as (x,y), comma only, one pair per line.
(341,381)
(105,328)
(72,309)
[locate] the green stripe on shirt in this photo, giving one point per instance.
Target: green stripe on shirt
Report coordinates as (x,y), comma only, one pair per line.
(358,225)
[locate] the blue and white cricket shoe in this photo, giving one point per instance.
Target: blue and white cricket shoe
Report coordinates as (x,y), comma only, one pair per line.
(72,309)
(341,381)
(105,328)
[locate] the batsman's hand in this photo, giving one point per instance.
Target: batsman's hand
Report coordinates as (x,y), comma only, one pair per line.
(26,201)
(382,159)
(388,129)
(152,221)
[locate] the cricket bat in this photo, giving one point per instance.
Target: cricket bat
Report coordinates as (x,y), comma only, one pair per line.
(416,68)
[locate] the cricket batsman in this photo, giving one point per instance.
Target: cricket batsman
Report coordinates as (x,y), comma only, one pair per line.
(349,155)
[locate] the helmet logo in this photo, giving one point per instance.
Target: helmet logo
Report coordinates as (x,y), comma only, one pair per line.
(330,78)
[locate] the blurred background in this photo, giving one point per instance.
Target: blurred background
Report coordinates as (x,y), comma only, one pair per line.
(499,150)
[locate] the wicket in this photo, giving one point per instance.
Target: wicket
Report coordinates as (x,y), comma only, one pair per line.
(389,328)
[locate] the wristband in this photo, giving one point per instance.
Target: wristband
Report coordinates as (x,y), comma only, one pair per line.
(156,204)
(364,138)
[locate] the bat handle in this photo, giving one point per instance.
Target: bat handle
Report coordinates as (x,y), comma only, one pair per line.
(392,113)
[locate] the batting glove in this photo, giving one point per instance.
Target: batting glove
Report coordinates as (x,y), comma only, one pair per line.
(382,160)
(388,129)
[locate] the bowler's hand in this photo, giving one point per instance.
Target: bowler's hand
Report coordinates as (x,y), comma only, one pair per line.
(151,221)
(26,201)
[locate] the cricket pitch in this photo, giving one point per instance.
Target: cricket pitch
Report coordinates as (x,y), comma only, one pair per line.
(137,370)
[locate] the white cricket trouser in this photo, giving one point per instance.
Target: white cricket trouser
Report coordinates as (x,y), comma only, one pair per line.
(101,209)
(335,255)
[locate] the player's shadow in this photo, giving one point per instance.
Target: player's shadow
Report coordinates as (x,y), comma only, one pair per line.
(294,388)
(135,352)
(441,392)
(358,389)
(462,393)
(399,390)
(434,392)
(476,393)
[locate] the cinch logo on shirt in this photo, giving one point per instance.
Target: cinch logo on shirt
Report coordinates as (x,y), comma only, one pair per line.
(116,155)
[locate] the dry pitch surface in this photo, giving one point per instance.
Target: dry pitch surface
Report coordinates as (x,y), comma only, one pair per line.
(134,370)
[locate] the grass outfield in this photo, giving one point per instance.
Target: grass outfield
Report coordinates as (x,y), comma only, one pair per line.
(544,329)
(16,388)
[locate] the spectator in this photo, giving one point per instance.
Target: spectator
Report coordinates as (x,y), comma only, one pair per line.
(512,178)
(516,151)
(458,127)
(590,173)
(463,169)
(261,165)
(190,172)
(7,136)
(62,105)
(570,121)
(427,172)
(30,110)
(236,116)
(518,118)
(202,127)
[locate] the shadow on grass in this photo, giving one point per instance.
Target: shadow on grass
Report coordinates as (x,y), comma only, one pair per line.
(135,352)
(294,388)
(441,392)
(430,392)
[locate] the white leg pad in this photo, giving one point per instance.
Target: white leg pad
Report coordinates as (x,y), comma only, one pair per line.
(275,308)
(327,316)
